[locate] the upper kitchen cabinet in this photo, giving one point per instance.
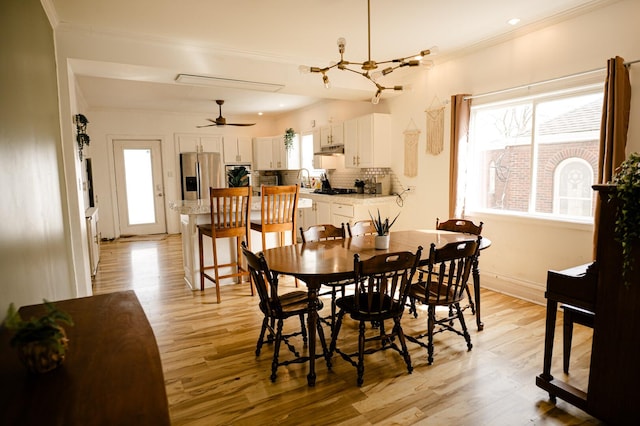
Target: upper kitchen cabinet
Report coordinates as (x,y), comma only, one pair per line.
(331,134)
(323,161)
(198,143)
(237,150)
(269,153)
(367,141)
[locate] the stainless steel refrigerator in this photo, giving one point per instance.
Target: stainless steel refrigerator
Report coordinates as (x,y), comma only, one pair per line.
(199,171)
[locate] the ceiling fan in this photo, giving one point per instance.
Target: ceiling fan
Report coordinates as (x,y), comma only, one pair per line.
(221,121)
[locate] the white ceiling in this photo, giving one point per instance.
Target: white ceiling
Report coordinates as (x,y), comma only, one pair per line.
(265,41)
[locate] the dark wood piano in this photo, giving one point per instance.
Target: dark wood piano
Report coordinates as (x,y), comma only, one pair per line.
(614,376)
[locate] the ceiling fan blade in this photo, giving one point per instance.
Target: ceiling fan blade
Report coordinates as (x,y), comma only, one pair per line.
(212,120)
(208,125)
(241,124)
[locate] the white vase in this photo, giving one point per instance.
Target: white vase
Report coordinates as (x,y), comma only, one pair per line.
(382,242)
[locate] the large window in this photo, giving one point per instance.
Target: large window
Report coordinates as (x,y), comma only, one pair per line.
(534,156)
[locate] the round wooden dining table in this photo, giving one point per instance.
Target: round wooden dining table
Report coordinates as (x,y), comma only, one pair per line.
(319,262)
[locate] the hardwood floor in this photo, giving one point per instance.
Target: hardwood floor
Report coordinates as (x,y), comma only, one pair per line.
(213,377)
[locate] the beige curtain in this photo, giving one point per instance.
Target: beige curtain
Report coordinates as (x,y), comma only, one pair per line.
(613,128)
(460,116)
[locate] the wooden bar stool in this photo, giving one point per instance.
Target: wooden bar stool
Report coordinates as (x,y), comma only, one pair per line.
(229,219)
(278,212)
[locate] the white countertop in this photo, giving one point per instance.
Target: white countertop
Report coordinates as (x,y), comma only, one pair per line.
(348,198)
(203,206)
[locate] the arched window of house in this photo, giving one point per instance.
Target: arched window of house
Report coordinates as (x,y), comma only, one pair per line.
(572,192)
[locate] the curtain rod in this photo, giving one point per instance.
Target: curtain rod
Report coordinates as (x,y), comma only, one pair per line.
(539,83)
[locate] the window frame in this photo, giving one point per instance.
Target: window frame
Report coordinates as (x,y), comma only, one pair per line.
(464,172)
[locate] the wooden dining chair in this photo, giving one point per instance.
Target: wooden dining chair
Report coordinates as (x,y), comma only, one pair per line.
(279,209)
(322,233)
(442,283)
(467,227)
(361,227)
(277,307)
(385,280)
(229,219)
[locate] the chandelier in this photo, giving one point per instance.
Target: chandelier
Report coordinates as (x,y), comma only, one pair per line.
(369,67)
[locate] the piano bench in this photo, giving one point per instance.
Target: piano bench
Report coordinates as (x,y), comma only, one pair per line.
(572,314)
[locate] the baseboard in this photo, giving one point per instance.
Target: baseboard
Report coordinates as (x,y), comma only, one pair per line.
(525,290)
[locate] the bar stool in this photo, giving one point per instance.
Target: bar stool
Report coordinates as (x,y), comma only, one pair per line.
(229,219)
(278,213)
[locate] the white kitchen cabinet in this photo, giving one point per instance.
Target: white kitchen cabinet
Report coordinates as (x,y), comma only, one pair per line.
(198,143)
(319,213)
(262,154)
(237,150)
(346,212)
(269,153)
(325,162)
(367,141)
(331,134)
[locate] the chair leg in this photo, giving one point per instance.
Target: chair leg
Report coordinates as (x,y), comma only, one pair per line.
(334,333)
(276,350)
(360,367)
(265,322)
(431,324)
(403,344)
(303,330)
(465,332)
(472,305)
(201,253)
(323,343)
(215,268)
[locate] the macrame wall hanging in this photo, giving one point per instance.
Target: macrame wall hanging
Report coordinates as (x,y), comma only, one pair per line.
(411,135)
(435,127)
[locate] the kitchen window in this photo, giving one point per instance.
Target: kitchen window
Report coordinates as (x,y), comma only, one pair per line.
(535,156)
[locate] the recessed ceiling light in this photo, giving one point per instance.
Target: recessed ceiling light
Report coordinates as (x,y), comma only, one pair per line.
(514,21)
(259,113)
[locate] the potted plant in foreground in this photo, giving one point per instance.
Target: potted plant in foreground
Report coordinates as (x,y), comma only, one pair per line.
(41,342)
(382,229)
(627,228)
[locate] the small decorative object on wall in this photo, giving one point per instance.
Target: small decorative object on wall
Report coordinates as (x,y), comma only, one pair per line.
(41,343)
(81,132)
(411,135)
(627,181)
(435,127)
(289,134)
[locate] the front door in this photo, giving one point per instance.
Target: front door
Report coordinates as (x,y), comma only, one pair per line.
(139,188)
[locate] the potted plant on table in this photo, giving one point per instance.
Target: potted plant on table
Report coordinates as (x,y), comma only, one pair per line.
(382,229)
(41,342)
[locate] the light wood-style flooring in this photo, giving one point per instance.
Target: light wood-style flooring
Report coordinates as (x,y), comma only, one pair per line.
(213,377)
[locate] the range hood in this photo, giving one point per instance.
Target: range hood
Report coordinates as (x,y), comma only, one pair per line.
(331,150)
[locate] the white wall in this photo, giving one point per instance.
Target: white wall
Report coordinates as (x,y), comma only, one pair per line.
(109,125)
(36,258)
(522,250)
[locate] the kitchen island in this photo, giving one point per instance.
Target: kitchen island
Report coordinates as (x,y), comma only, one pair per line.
(197,212)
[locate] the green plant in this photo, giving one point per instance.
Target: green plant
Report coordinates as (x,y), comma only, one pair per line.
(238,176)
(289,134)
(382,226)
(44,329)
(627,228)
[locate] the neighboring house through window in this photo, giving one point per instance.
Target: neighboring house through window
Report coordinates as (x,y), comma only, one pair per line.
(535,156)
